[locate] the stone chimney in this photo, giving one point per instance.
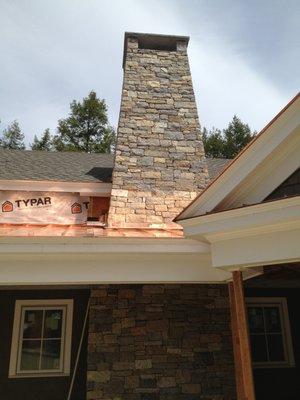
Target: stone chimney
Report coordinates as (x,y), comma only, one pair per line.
(160,162)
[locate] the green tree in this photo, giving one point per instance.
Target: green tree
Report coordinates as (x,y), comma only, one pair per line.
(236,136)
(213,142)
(12,137)
(229,142)
(44,143)
(86,128)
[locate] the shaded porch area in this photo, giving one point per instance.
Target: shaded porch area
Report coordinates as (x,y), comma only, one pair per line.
(266,333)
(273,311)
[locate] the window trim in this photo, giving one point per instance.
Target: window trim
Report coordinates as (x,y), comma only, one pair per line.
(281,303)
(65,361)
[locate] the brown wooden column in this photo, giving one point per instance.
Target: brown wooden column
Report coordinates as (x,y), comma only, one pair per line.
(241,341)
(236,345)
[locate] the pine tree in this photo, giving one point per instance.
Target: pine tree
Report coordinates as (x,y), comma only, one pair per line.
(229,142)
(12,137)
(44,143)
(213,142)
(86,128)
(236,136)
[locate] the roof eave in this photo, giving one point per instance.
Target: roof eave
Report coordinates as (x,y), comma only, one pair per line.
(187,211)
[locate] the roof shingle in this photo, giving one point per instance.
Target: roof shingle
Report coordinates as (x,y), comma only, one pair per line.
(216,165)
(55,166)
(69,166)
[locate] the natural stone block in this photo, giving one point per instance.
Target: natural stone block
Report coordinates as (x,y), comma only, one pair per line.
(128,322)
(98,376)
(119,193)
(138,331)
(153,289)
(119,366)
(151,174)
(157,325)
(132,382)
(143,364)
(126,293)
(167,382)
(191,388)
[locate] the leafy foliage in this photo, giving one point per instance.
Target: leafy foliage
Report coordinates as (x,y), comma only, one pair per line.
(12,137)
(44,143)
(86,129)
(229,142)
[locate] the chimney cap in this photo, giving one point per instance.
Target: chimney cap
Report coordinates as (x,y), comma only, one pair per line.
(154,41)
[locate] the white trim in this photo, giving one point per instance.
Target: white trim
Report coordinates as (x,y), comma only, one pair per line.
(250,209)
(106,268)
(62,338)
(270,173)
(95,189)
(217,226)
(20,307)
(275,247)
(245,170)
(100,245)
(281,303)
(256,235)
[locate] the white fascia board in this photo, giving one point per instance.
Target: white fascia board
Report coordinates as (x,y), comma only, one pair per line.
(246,162)
(268,216)
(60,245)
(269,248)
(62,269)
(99,189)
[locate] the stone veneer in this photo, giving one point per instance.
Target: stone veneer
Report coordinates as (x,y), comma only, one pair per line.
(160,163)
(166,342)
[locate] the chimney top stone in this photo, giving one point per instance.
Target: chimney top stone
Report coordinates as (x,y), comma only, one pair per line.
(155,42)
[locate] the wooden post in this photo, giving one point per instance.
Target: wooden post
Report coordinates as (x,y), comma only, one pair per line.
(236,345)
(241,340)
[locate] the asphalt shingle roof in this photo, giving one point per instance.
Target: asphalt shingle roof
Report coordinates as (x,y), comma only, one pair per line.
(216,165)
(69,166)
(55,166)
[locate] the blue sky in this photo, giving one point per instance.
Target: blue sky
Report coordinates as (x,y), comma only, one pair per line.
(244,55)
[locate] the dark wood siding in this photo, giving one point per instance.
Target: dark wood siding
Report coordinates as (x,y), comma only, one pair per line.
(280,383)
(290,187)
(51,388)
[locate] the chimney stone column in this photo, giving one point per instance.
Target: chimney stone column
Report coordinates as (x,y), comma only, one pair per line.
(160,163)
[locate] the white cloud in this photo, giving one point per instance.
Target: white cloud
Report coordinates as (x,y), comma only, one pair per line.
(225,85)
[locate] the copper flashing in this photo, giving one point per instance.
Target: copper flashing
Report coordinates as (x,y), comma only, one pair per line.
(12,230)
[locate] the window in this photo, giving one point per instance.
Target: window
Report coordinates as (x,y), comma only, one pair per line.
(269,329)
(41,339)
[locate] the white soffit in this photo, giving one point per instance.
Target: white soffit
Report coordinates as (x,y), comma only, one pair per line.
(270,158)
